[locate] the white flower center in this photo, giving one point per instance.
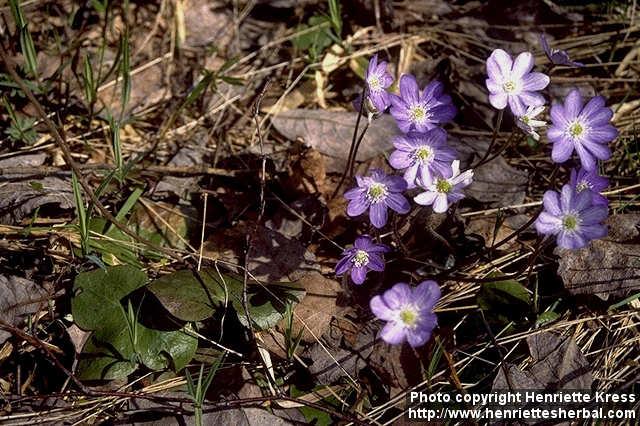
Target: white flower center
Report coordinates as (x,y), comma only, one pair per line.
(576,130)
(361,258)
(424,154)
(377,192)
(570,222)
(418,114)
(374,83)
(582,185)
(509,86)
(409,316)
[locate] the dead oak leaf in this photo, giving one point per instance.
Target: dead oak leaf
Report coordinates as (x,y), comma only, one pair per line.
(610,266)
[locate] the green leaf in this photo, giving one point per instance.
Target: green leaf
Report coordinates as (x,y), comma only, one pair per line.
(498,293)
(547,317)
(97,294)
(111,352)
(194,296)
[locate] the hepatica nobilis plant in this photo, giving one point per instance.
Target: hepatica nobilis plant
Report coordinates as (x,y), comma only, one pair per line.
(430,169)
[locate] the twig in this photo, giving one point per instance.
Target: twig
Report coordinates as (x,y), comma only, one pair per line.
(66,152)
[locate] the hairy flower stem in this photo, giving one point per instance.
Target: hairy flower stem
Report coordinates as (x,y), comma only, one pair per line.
(353,143)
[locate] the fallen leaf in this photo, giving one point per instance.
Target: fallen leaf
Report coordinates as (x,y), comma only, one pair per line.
(558,364)
(606,267)
(21,194)
(317,308)
(330,132)
(19,297)
(189,155)
(498,183)
(206,25)
(274,257)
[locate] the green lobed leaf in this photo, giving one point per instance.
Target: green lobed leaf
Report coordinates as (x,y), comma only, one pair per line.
(110,352)
(194,296)
(496,295)
(97,294)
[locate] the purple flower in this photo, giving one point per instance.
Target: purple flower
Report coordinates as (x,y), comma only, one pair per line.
(378,79)
(585,129)
(572,217)
(512,82)
(557,56)
(364,256)
(375,193)
(445,189)
(422,155)
(408,312)
(582,180)
(421,112)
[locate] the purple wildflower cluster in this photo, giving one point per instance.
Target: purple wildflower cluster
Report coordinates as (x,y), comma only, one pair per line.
(430,166)
(574,216)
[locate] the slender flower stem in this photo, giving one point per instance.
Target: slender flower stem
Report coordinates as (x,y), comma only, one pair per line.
(355,151)
(353,144)
(496,129)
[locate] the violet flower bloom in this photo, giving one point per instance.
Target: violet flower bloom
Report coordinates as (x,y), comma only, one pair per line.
(364,256)
(376,193)
(557,56)
(378,79)
(528,123)
(572,217)
(582,180)
(408,312)
(422,155)
(512,82)
(585,129)
(421,112)
(445,189)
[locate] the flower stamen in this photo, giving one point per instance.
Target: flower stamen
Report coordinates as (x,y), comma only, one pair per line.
(377,192)
(361,258)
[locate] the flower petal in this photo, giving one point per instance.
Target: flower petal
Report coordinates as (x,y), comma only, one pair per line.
(602,134)
(378,215)
(532,98)
(587,159)
(420,335)
(571,240)
(594,215)
(398,203)
(593,232)
(499,65)
(498,100)
(393,333)
(400,159)
(547,224)
(562,150)
(426,294)
(409,90)
(343,265)
(357,207)
(551,203)
(535,81)
(600,151)
(573,104)
(425,198)
(358,274)
(376,263)
(380,309)
(522,65)
(517,105)
(397,296)
(440,204)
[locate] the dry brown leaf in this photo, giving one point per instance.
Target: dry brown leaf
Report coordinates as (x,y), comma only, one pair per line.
(317,308)
(610,266)
(558,364)
(330,132)
(18,298)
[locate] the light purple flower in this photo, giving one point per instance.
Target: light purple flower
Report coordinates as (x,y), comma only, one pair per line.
(422,155)
(378,79)
(512,82)
(364,256)
(557,56)
(586,129)
(584,180)
(376,193)
(445,189)
(572,217)
(414,111)
(408,312)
